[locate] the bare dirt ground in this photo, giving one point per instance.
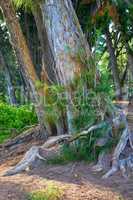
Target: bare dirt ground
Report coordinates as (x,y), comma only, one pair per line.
(77,180)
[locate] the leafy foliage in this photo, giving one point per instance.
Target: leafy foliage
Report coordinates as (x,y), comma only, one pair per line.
(85,148)
(94,106)
(14,119)
(26,4)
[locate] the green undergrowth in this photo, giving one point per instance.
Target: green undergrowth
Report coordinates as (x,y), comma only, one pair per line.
(14,120)
(84,149)
(51,192)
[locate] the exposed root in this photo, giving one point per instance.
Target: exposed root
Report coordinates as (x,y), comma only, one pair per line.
(118,164)
(45,151)
(122,144)
(123,164)
(27,161)
(26,136)
(86,132)
(130,139)
(100,165)
(52,141)
(34,153)
(110,172)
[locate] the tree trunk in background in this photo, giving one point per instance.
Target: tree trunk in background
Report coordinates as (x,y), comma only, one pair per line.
(6,73)
(129,2)
(114,66)
(23,56)
(48,62)
(130,58)
(130,63)
(67,41)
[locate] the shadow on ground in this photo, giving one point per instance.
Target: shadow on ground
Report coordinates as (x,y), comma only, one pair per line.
(82,175)
(12,191)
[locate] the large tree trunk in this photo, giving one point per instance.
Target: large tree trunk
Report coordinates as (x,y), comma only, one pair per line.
(10,88)
(114,66)
(66,38)
(47,56)
(69,47)
(23,56)
(48,63)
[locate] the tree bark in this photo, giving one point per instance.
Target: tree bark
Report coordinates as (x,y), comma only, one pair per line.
(10,88)
(48,150)
(114,66)
(130,58)
(66,38)
(23,56)
(69,47)
(47,56)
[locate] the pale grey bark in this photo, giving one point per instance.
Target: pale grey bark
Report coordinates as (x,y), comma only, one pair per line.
(9,85)
(130,58)
(66,38)
(113,63)
(10,88)
(117,163)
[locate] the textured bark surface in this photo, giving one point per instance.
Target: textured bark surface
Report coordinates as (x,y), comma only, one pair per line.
(66,39)
(126,164)
(69,47)
(48,62)
(9,85)
(48,150)
(130,58)
(33,133)
(113,62)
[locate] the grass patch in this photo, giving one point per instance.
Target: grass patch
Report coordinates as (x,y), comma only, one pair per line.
(51,192)
(83,149)
(71,154)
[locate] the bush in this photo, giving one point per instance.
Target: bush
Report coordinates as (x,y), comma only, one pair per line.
(84,149)
(52,192)
(95,106)
(14,119)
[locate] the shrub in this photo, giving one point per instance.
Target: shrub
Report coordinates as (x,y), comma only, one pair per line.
(52,192)
(14,119)
(84,149)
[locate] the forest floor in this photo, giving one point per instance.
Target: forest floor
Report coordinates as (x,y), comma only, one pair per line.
(77,180)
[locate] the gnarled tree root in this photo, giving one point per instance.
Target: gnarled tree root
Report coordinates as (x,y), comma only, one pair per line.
(46,151)
(26,136)
(100,165)
(27,161)
(124,164)
(37,152)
